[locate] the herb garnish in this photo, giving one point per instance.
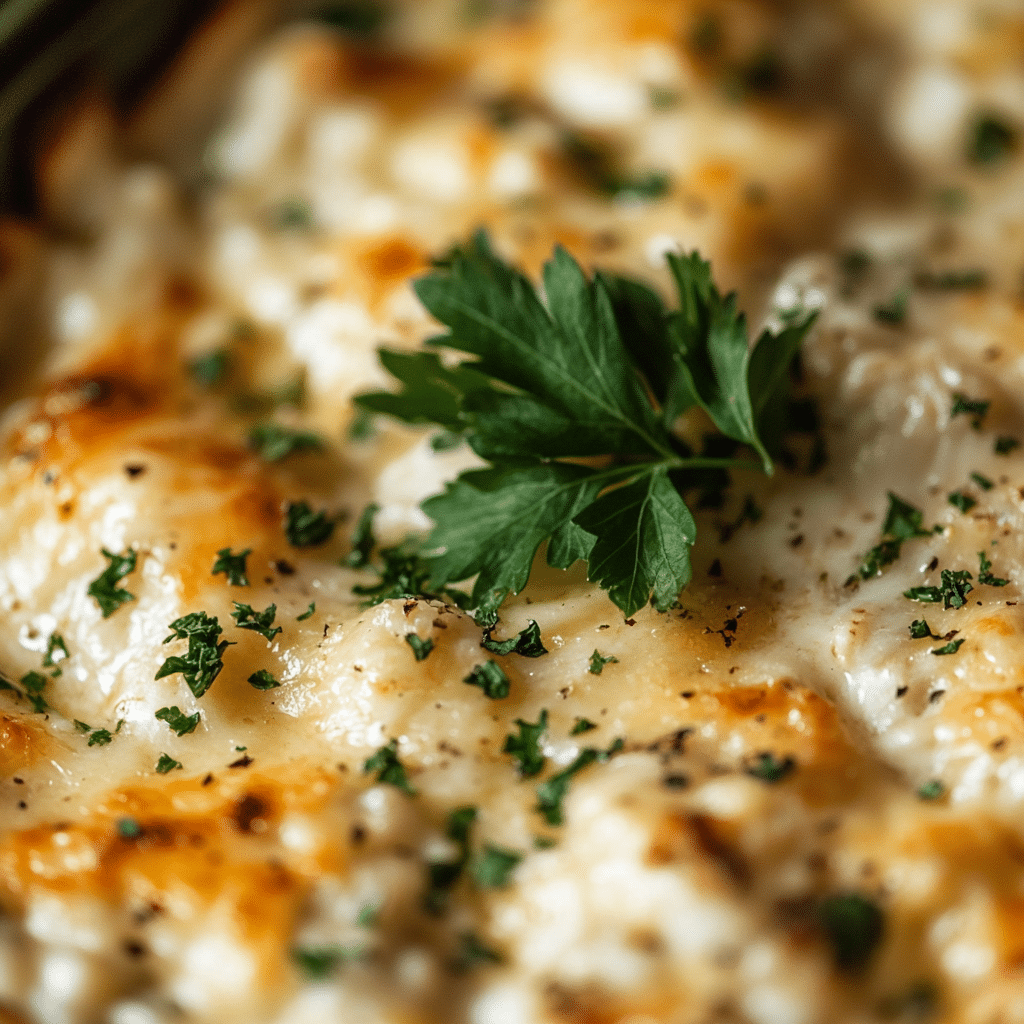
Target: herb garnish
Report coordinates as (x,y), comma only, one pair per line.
(472,952)
(307,613)
(177,720)
(261,679)
(854,926)
(962,501)
(902,522)
(104,588)
(602,371)
(167,764)
(551,792)
(363,540)
(525,747)
(768,768)
(274,442)
(920,630)
(982,481)
(443,874)
(1005,444)
(233,566)
(56,652)
(527,643)
(305,528)
(951,648)
(992,140)
(246,617)
(491,678)
(420,648)
(388,768)
(98,737)
(493,867)
(976,408)
(894,313)
(211,368)
(202,663)
(581,725)
(932,790)
(598,662)
(318,963)
(952,591)
(985,576)
(35,683)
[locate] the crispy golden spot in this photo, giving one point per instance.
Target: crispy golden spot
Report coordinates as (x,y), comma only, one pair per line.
(184,845)
(22,742)
(385,264)
(993,718)
(995,625)
(403,85)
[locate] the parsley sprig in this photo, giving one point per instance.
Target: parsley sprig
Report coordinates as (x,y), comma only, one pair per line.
(601,372)
(202,663)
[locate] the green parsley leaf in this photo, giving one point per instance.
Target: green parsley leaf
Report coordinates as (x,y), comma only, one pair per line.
(202,663)
(388,768)
(581,725)
(952,592)
(211,368)
(893,313)
(177,720)
(985,576)
(920,630)
(493,867)
(368,915)
(976,408)
(261,679)
(992,140)
(952,280)
(854,926)
(128,828)
(100,737)
(1005,444)
(442,875)
(259,622)
(962,501)
(305,528)
(291,215)
(473,952)
(951,648)
(902,522)
(35,683)
(363,540)
(551,792)
(574,378)
(318,963)
(491,678)
(982,481)
(526,643)
(307,613)
(525,747)
(56,651)
(233,566)
(420,648)
(598,662)
(933,790)
(768,768)
(104,588)
(81,726)
(167,764)
(274,442)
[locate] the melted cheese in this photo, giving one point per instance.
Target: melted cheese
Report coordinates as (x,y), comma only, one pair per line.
(682,886)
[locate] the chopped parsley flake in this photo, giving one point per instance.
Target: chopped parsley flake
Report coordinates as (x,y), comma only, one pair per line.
(920,630)
(100,737)
(35,683)
(598,662)
(363,540)
(167,764)
(768,768)
(1005,444)
(261,679)
(962,501)
(551,792)
(202,663)
(473,952)
(388,768)
(952,591)
(493,867)
(952,280)
(420,648)
(525,747)
(259,622)
(951,648)
(854,926)
(211,368)
(318,963)
(985,576)
(128,828)
(305,528)
(894,313)
(581,725)
(992,140)
(933,790)
(976,408)
(274,442)
(56,652)
(982,481)
(233,566)
(902,522)
(104,588)
(177,720)
(527,643)
(307,613)
(368,915)
(491,678)
(443,874)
